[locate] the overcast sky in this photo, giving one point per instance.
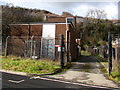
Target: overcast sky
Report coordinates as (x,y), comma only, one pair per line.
(76,7)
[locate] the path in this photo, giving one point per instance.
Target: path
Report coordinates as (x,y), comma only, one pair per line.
(86,70)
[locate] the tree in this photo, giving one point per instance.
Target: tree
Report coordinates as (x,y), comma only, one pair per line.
(12,15)
(17,14)
(66,14)
(95,27)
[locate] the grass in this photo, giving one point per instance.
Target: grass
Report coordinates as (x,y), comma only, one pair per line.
(28,65)
(100,58)
(85,53)
(115,74)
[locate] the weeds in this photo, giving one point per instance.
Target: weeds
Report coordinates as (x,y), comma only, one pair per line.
(28,65)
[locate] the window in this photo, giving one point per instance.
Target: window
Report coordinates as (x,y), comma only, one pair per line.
(70,19)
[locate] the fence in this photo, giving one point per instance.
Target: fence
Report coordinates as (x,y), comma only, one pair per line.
(116,52)
(37,47)
(103,51)
(23,46)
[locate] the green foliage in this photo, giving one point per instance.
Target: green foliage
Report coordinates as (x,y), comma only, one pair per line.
(95,28)
(115,75)
(85,53)
(13,15)
(29,66)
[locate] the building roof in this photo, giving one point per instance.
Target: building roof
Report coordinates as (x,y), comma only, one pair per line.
(38,23)
(51,14)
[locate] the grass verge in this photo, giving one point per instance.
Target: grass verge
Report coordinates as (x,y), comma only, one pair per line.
(85,53)
(115,75)
(28,65)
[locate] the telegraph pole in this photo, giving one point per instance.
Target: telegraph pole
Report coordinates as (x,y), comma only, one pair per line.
(109,53)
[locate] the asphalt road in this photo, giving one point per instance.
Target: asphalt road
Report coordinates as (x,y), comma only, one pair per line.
(18,81)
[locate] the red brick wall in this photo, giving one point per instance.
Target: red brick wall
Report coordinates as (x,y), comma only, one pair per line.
(22,30)
(19,30)
(60,29)
(72,43)
(36,30)
(57,19)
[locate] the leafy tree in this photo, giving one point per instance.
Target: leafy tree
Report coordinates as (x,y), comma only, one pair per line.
(94,28)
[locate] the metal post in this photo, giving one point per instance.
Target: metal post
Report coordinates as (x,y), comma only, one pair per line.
(41,47)
(67,46)
(31,46)
(61,51)
(34,49)
(109,53)
(6,45)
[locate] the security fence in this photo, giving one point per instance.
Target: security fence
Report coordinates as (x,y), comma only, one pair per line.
(103,51)
(23,46)
(116,51)
(37,47)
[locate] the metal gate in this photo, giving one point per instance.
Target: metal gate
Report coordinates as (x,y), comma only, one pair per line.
(29,48)
(48,48)
(32,49)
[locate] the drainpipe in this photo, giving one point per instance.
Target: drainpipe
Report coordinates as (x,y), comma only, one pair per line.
(67,43)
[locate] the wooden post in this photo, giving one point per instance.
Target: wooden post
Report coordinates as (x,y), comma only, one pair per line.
(109,53)
(61,51)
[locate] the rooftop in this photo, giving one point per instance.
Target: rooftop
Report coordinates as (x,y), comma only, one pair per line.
(39,23)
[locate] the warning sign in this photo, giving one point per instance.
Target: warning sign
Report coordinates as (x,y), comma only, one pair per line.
(57,45)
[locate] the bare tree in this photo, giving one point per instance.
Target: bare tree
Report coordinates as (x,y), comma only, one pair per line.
(96,14)
(94,26)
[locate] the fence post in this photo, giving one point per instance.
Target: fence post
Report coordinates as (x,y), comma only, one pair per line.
(109,53)
(31,46)
(61,51)
(67,46)
(6,46)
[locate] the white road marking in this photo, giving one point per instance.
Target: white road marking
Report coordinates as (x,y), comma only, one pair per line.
(16,81)
(72,83)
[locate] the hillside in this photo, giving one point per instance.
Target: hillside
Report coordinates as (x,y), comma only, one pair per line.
(12,14)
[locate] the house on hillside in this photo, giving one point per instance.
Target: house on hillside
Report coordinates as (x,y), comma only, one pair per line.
(48,15)
(116,21)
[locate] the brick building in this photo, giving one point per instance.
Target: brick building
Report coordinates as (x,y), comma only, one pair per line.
(53,28)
